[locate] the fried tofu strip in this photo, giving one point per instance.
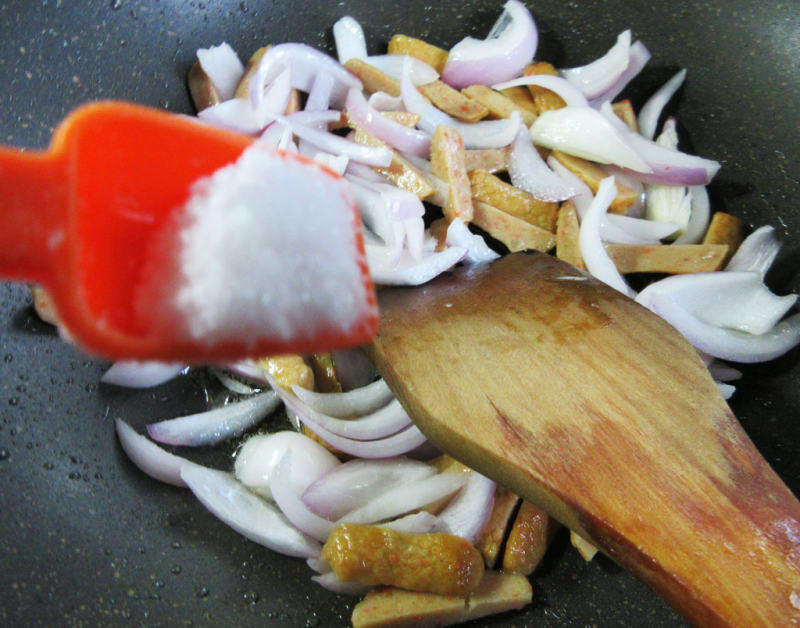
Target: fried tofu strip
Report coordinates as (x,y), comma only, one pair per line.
(625,112)
(489,159)
(567,236)
(592,174)
(493,534)
(674,259)
(243,88)
(585,549)
(43,305)
(490,189)
(528,539)
(433,562)
(204,93)
(449,164)
(394,608)
(373,79)
(498,105)
(422,50)
(325,379)
(724,229)
(543,99)
(453,102)
(289,370)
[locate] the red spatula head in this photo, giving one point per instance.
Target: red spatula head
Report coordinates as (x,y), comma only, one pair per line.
(85,218)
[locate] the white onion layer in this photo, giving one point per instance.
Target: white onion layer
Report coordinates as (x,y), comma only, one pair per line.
(149,457)
(598,76)
(356,402)
(223,66)
(132,374)
(349,39)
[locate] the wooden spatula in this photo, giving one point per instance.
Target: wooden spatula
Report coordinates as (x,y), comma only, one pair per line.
(585,403)
(80,218)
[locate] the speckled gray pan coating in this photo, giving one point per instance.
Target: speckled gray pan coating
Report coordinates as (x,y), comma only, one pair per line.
(85,539)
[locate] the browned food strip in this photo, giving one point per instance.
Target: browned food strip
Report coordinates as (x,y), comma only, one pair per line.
(373,79)
(567,236)
(453,102)
(543,99)
(667,258)
(528,539)
(44,306)
(406,118)
(422,50)
(324,373)
(448,464)
(491,538)
(724,229)
(438,230)
(592,174)
(499,105)
(388,607)
(521,95)
(204,93)
(490,189)
(433,562)
(585,549)
(489,159)
(243,88)
(289,370)
(401,172)
(625,112)
(448,163)
(513,232)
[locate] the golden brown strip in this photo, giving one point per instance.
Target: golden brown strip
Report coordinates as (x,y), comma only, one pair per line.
(422,50)
(499,105)
(288,370)
(448,163)
(528,539)
(489,159)
(401,172)
(394,608)
(406,118)
(543,99)
(494,532)
(724,229)
(521,96)
(243,88)
(324,373)
(625,112)
(433,562)
(513,232)
(585,549)
(591,174)
(202,90)
(44,306)
(567,232)
(453,102)
(490,189)
(667,258)
(373,79)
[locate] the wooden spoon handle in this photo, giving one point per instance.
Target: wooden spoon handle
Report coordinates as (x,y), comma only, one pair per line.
(587,404)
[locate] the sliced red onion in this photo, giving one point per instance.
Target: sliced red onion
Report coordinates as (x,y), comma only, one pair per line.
(736,300)
(348,36)
(598,76)
(372,208)
(320,565)
(355,370)
(730,344)
(396,445)
(319,96)
(415,237)
(393,133)
(353,484)
(419,72)
(723,373)
(305,62)
(355,402)
(570,94)
(336,163)
(222,65)
(458,234)
(639,56)
(249,369)
(364,173)
(726,390)
(382,423)
(650,112)
(400,204)
(507,49)
(272,100)
(249,515)
(416,523)
(586,133)
(597,261)
(406,270)
(132,374)
(385,102)
(214,426)
(637,230)
(483,134)
(331,582)
(233,384)
(583,194)
(236,114)
(149,457)
(370,155)
(699,217)
(757,252)
(468,512)
(293,508)
(529,172)
(403,499)
(256,461)
(636,210)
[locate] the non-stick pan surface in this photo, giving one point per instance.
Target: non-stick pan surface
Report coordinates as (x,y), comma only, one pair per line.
(86,539)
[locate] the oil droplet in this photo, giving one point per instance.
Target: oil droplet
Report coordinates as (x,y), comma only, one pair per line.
(13,401)
(176,545)
(4,454)
(116,4)
(176,569)
(8,357)
(47,466)
(91,387)
(251,597)
(202,592)
(158,584)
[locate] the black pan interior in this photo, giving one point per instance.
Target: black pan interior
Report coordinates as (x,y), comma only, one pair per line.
(85,539)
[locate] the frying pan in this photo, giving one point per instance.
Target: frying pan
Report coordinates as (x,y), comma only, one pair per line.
(86,539)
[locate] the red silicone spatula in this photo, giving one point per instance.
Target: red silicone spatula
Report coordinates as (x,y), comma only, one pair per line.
(79,218)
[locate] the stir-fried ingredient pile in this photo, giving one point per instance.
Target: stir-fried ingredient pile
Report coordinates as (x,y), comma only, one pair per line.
(454,157)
